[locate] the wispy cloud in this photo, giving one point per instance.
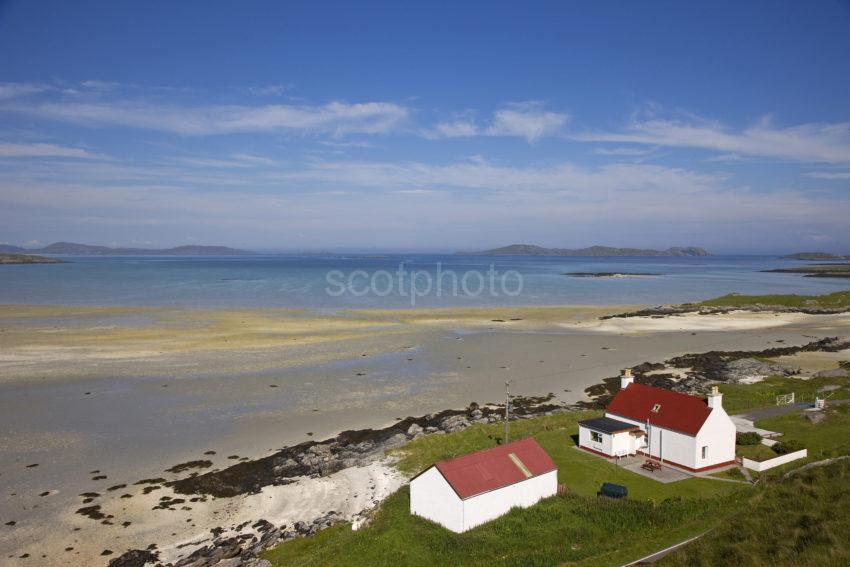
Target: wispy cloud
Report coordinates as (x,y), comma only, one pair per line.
(624,152)
(269,90)
(335,118)
(43,150)
(564,202)
(529,120)
(453,129)
(563,178)
(233,161)
(12,90)
(828,174)
(821,142)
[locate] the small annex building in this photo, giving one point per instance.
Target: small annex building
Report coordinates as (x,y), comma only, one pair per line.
(468,491)
(691,432)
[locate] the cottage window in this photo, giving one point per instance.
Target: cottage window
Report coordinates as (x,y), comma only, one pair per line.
(704,451)
(596,437)
(656,408)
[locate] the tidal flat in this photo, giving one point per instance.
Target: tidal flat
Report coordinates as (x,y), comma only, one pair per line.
(95,398)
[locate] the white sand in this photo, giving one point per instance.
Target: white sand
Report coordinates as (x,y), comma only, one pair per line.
(735,321)
(348,492)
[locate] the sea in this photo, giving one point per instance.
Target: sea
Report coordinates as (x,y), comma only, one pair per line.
(329,282)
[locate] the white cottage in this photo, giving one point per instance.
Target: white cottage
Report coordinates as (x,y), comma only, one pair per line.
(465,492)
(690,432)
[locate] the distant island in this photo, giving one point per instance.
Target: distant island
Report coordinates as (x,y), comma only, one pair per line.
(610,274)
(27,259)
(817,270)
(814,256)
(74,249)
(532,250)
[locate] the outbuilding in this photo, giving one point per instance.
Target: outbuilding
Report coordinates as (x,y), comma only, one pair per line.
(468,491)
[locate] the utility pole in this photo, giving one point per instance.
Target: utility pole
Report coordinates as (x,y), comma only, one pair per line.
(507,409)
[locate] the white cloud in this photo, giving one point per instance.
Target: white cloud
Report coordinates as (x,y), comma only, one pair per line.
(822,142)
(336,118)
(43,150)
(249,158)
(625,152)
(13,90)
(563,179)
(411,203)
(269,90)
(528,120)
(828,174)
(234,161)
(456,129)
(414,192)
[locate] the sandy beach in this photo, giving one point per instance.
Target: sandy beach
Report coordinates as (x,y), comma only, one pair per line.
(126,393)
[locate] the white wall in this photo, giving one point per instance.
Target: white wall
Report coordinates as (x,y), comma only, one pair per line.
(718,434)
(622,443)
(605,446)
(432,498)
(774,462)
(490,505)
(664,443)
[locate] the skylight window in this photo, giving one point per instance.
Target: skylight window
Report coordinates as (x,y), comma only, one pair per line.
(656,408)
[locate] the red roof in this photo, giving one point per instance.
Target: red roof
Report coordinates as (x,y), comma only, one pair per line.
(494,468)
(676,411)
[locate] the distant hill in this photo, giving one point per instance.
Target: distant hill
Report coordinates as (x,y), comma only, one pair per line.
(9,249)
(532,250)
(815,256)
(74,249)
(27,259)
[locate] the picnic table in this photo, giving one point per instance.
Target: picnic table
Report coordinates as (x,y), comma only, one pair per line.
(651,466)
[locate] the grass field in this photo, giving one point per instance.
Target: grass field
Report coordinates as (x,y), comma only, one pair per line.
(802,521)
(755,452)
(838,299)
(739,398)
(575,527)
(828,438)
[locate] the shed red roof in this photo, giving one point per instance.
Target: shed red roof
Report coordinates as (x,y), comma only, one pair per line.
(494,468)
(676,411)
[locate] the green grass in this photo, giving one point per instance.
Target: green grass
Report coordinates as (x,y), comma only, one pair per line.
(755,452)
(574,527)
(833,300)
(829,438)
(738,398)
(565,528)
(732,474)
(803,521)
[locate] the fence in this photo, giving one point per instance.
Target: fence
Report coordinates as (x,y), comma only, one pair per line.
(760,466)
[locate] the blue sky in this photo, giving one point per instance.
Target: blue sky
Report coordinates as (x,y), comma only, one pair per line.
(434,126)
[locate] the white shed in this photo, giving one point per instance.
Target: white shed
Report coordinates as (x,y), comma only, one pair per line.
(468,491)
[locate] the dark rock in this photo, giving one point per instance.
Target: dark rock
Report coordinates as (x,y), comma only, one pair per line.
(752,368)
(134,558)
(198,464)
(833,373)
(454,423)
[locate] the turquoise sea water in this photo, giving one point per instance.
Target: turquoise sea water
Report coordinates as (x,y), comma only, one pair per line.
(302,281)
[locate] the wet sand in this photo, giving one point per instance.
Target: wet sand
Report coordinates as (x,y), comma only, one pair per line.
(132,392)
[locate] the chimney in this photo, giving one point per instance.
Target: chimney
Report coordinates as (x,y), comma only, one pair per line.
(626,378)
(715,398)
